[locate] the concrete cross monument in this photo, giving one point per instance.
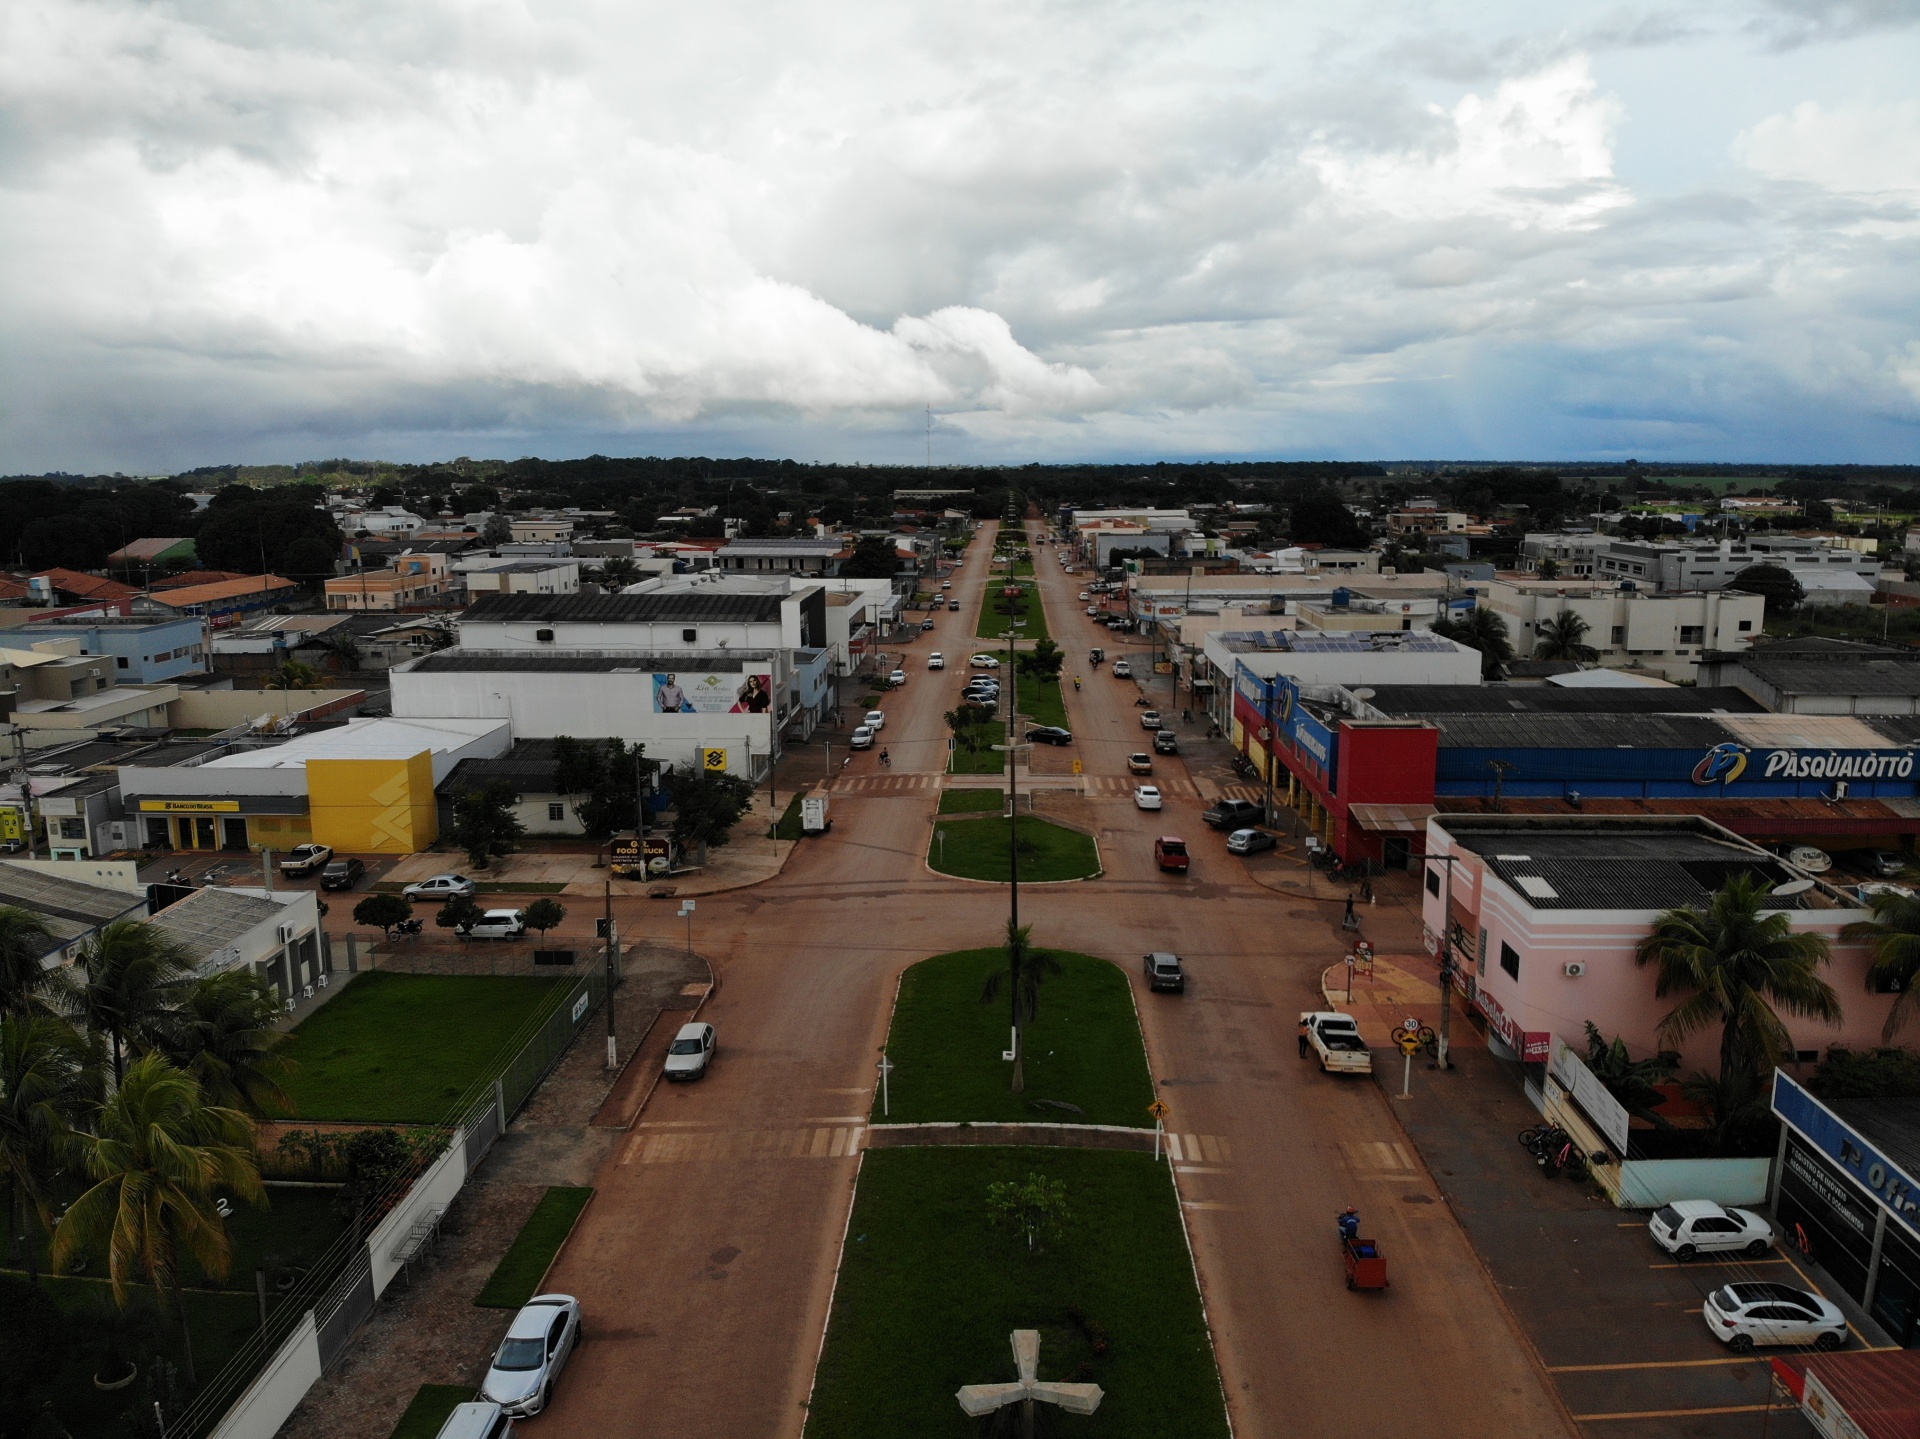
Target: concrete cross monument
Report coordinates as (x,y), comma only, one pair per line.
(979,1399)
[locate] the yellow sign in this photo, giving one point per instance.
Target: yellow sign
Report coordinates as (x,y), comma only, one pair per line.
(190,806)
(1158,1109)
(11,826)
(713,760)
(1079,768)
(1409,1044)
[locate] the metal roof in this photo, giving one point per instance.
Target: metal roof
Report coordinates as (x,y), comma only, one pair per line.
(1422,700)
(212,918)
(1579,731)
(86,905)
(464,661)
(528,766)
(1839,676)
(718,606)
(1355,642)
(1631,869)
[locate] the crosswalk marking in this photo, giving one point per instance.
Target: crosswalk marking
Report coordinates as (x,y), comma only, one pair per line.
(821,1141)
(1380,1156)
(1206,1148)
(886,784)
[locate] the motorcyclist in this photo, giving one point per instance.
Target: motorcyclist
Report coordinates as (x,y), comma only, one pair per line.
(1350,1223)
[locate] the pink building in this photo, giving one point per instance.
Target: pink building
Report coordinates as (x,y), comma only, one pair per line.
(1545,911)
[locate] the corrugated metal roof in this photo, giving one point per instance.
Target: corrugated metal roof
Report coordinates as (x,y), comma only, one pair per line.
(1416,700)
(212,918)
(1604,869)
(717,606)
(1878,1389)
(1804,732)
(1836,676)
(1579,731)
(534,662)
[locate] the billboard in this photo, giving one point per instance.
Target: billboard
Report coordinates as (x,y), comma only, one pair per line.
(705,693)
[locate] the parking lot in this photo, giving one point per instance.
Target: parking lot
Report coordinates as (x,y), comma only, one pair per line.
(1614,1320)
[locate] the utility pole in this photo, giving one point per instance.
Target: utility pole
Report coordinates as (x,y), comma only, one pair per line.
(1500,767)
(1272,738)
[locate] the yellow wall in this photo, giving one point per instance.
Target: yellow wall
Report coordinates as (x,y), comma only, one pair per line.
(373,806)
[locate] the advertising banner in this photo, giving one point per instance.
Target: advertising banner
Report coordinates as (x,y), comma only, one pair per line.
(712,694)
(1593,1097)
(1826,1132)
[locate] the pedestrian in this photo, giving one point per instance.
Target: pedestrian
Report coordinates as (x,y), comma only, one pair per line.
(1186,716)
(1351,921)
(1303,1039)
(1366,890)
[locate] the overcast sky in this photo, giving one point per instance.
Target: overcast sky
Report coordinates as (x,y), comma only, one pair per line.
(257,233)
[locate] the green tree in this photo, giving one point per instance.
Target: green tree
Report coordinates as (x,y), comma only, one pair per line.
(378,1162)
(619,571)
(1548,568)
(1887,1073)
(873,558)
(24,943)
(484,824)
(706,807)
(1892,937)
(1773,583)
(126,984)
(159,1156)
(1323,518)
(1634,1082)
(1481,629)
(383,912)
(1034,1207)
(224,1036)
(294,675)
(1737,963)
(498,530)
(1042,662)
(1564,637)
(461,913)
(1026,968)
(43,1092)
(543,915)
(968,722)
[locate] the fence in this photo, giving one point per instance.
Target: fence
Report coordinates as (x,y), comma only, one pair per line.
(307,1332)
(553,958)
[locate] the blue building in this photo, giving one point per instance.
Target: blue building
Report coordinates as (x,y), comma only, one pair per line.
(146,649)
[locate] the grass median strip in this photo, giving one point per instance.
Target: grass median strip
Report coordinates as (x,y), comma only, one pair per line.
(973,801)
(978,849)
(516,1278)
(429,1410)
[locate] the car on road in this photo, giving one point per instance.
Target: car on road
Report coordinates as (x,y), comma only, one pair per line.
(936,661)
(442,886)
(925,625)
(1687,1227)
(691,1053)
(1146,796)
(953,604)
(861,738)
(306,859)
(1140,763)
(984,662)
(1151,719)
(876,720)
(946,584)
(497,924)
(540,1339)
(1093,609)
(1084,597)
(1170,853)
(1233,814)
(1164,972)
(342,873)
(1166,742)
(1334,1039)
(1049,734)
(1249,841)
(1121,670)
(897,678)
(1743,1315)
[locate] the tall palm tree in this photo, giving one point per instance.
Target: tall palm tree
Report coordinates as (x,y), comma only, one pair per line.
(159,1156)
(1026,968)
(1481,629)
(223,1036)
(1893,938)
(24,941)
(43,1092)
(1738,962)
(1564,637)
(125,984)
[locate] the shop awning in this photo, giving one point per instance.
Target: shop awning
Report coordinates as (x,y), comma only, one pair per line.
(1392,818)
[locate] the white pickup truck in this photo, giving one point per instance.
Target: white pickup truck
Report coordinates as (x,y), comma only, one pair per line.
(1335,1038)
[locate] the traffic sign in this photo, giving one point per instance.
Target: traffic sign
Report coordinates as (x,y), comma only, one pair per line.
(1159,1109)
(1409,1044)
(1079,768)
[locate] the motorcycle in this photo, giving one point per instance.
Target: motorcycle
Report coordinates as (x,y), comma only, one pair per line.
(408,927)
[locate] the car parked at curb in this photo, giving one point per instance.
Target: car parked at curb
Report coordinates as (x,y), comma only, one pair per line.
(1687,1227)
(342,873)
(876,720)
(442,886)
(1151,720)
(539,1341)
(897,678)
(1743,1315)
(1164,972)
(477,1421)
(984,662)
(691,1053)
(861,738)
(306,859)
(1249,841)
(497,924)
(1231,814)
(1049,734)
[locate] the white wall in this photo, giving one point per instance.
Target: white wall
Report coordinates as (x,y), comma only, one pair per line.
(271,1399)
(108,874)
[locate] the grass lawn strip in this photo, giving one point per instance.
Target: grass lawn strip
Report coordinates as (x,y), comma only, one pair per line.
(401,1048)
(985,759)
(429,1410)
(516,1279)
(977,849)
(929,1291)
(1082,1048)
(993,620)
(1041,701)
(973,801)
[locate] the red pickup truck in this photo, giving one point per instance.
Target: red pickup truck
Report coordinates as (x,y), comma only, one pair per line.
(1170,854)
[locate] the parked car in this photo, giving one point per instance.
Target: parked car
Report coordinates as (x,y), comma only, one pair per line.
(936,661)
(497,924)
(1146,796)
(540,1339)
(691,1053)
(1699,1226)
(1249,841)
(1164,972)
(441,886)
(989,688)
(946,584)
(477,1421)
(305,859)
(1093,609)
(1084,597)
(1049,734)
(897,678)
(1170,853)
(1166,742)
(1121,670)
(876,720)
(861,738)
(1151,719)
(1884,863)
(1334,1039)
(1140,763)
(342,874)
(1233,814)
(984,662)
(1806,857)
(1743,1315)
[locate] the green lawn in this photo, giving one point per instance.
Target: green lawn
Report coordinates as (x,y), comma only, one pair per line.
(929,1292)
(401,1048)
(973,801)
(429,1410)
(993,619)
(1082,1048)
(985,759)
(516,1278)
(977,849)
(1042,702)
(789,825)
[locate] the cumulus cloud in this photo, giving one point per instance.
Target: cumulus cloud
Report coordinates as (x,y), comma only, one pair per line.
(1860,148)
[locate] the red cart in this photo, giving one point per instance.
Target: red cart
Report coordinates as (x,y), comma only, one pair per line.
(1366,1265)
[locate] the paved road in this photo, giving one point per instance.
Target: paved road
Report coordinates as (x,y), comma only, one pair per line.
(706,1261)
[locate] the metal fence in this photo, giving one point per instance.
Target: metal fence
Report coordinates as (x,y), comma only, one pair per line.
(552,958)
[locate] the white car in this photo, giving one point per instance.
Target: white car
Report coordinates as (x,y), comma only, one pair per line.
(542,1335)
(1874,887)
(1093,609)
(861,738)
(984,662)
(1147,796)
(897,678)
(1743,1315)
(936,661)
(498,924)
(442,886)
(1122,670)
(1688,1227)
(1084,597)
(946,584)
(876,720)
(691,1053)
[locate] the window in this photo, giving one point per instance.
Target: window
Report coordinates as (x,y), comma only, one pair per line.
(1510,960)
(689,636)
(556,811)
(73,829)
(120,661)
(1693,634)
(1619,635)
(1433,883)
(1745,625)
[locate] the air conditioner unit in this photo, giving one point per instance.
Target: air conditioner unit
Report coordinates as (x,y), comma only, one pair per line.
(1575,969)
(287,932)
(544,636)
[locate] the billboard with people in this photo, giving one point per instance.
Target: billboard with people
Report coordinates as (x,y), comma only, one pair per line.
(712,694)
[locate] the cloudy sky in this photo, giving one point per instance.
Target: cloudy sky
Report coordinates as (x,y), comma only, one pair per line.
(1070,229)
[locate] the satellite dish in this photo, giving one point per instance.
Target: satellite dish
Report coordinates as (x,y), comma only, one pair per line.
(1792,889)
(1363,694)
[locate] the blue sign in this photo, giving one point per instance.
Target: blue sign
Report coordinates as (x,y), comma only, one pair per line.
(1857,1159)
(1279,698)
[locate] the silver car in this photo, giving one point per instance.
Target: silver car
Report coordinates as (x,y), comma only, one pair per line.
(690,1055)
(442,886)
(530,1358)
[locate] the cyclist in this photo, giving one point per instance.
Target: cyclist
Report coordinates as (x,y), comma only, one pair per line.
(886,759)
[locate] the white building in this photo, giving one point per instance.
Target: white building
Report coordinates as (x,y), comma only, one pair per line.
(524,577)
(274,933)
(395,520)
(1631,627)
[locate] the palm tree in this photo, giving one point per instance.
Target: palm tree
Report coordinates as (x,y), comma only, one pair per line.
(124,985)
(294,675)
(223,1036)
(43,1091)
(1481,629)
(159,1156)
(1564,637)
(1893,938)
(1738,962)
(24,942)
(1026,968)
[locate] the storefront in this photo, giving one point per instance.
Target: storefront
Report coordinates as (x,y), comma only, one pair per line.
(196,822)
(1844,1186)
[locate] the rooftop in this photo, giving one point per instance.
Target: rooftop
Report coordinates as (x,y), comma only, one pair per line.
(210,919)
(1355,642)
(221,590)
(71,907)
(712,607)
(364,739)
(1579,731)
(1553,699)
(471,661)
(528,766)
(1610,864)
(793,545)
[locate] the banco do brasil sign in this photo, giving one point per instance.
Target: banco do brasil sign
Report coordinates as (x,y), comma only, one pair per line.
(1725,763)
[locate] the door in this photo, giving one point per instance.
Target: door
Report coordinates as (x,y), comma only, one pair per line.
(1394,853)
(158,834)
(186,833)
(1709,1235)
(203,837)
(233,834)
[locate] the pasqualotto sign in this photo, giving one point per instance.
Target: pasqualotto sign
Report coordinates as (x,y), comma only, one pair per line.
(1726,763)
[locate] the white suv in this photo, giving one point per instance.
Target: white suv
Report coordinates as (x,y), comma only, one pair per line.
(1688,1227)
(498,924)
(936,661)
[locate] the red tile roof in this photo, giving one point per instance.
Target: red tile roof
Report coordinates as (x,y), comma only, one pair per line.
(87,587)
(195,577)
(223,590)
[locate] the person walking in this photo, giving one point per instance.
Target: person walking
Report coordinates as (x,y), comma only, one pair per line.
(1303,1039)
